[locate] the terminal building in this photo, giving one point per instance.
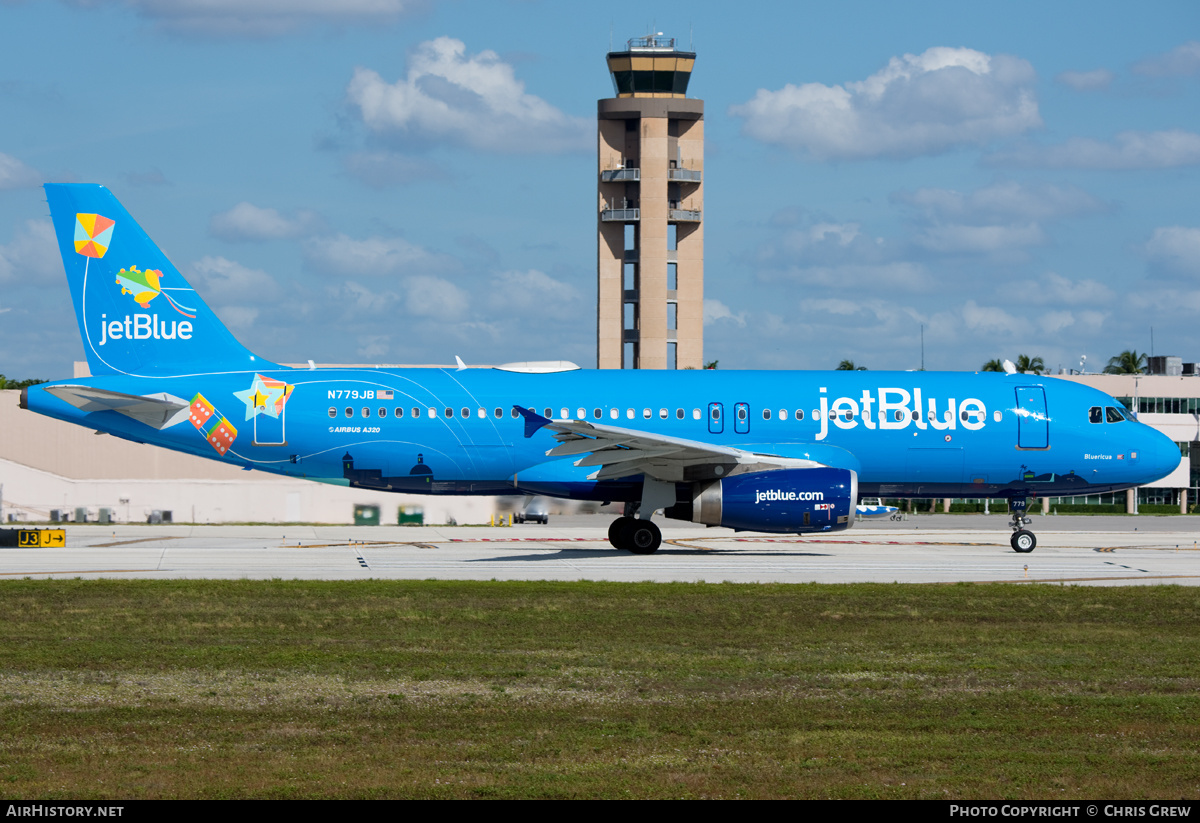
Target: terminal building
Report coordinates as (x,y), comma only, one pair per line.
(650,259)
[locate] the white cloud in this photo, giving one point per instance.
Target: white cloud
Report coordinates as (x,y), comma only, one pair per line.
(1055,321)
(1181,60)
(882,277)
(1176,249)
(32,257)
(916,105)
(226,282)
(1094,80)
(383,169)
(239,318)
(373,346)
(959,239)
(472,100)
(263,18)
(16,175)
(1128,150)
(715,310)
(374,256)
(992,320)
(534,292)
(835,306)
(1054,288)
(1004,201)
(246,221)
(434,297)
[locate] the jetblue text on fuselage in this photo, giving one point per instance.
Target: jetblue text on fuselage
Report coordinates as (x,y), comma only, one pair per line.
(893,408)
(143,327)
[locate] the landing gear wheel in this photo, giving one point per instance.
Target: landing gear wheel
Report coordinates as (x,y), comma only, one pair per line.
(1023,541)
(642,537)
(616,532)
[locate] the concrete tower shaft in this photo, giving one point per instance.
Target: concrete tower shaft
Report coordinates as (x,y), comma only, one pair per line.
(650,260)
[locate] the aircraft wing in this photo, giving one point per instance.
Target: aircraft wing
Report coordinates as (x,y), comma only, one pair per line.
(157,411)
(619,452)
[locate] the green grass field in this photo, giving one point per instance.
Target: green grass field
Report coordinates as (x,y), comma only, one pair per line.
(458,689)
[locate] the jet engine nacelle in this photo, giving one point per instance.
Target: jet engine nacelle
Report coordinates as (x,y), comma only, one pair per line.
(794,501)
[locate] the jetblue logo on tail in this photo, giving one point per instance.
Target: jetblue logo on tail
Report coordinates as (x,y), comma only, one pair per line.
(143,327)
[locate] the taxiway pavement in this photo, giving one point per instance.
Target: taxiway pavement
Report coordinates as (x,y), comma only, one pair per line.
(924,549)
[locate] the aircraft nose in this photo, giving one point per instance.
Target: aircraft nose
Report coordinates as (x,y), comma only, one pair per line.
(1161,455)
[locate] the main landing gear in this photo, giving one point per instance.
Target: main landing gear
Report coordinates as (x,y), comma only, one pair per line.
(1023,541)
(637,536)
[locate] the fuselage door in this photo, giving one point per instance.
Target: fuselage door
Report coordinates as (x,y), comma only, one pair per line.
(741,418)
(716,418)
(1033,425)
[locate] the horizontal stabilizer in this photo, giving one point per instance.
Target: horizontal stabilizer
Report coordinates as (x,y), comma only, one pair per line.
(158,411)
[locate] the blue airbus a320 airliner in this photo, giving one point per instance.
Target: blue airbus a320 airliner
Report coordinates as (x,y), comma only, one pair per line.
(764,451)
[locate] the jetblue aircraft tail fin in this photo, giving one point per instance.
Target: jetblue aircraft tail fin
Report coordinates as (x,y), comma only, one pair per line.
(136,312)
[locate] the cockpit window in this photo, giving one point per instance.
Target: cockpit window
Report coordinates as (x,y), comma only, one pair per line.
(1095,415)
(1113,415)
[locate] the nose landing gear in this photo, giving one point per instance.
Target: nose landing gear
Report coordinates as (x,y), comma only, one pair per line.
(1023,541)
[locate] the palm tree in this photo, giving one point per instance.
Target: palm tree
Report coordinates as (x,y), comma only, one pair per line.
(1127,362)
(993,365)
(1030,365)
(848,365)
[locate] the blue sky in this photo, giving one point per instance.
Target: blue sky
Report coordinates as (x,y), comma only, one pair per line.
(400,182)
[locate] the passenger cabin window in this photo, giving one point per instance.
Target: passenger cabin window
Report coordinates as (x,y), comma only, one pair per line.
(399,411)
(596,413)
(366,412)
(679,414)
(349,412)
(547,413)
(766,414)
(1095,415)
(332,411)
(499,412)
(799,414)
(464,412)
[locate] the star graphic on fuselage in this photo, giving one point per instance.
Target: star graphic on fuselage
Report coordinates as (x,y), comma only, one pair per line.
(264,396)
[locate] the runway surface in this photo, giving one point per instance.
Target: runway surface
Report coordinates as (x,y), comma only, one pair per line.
(926,549)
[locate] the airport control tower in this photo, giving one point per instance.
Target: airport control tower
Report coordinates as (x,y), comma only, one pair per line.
(650,267)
